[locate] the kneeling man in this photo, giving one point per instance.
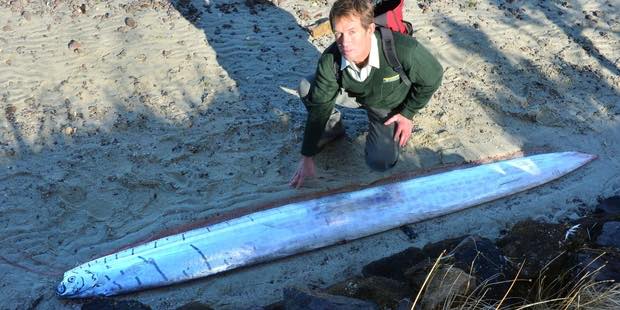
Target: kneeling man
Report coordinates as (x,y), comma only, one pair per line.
(354,72)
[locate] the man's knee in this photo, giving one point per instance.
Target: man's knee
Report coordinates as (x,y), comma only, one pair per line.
(381,160)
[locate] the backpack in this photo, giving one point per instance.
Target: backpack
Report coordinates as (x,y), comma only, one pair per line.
(388,19)
(389,14)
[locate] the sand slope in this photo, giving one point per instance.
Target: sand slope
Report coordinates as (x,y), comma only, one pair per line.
(164,114)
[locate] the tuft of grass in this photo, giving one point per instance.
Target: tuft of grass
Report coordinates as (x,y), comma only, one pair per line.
(566,290)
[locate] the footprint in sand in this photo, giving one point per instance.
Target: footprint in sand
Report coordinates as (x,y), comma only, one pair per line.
(99,209)
(72,194)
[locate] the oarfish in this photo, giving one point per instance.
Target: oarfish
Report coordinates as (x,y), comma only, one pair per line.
(301,226)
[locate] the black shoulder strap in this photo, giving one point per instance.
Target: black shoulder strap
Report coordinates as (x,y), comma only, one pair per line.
(336,66)
(389,50)
(337,71)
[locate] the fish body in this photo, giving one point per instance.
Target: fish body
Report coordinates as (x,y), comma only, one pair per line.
(301,226)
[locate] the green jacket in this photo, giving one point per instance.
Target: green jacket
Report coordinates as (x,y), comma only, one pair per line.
(382,89)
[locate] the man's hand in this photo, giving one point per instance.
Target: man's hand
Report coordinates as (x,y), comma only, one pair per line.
(404,126)
(306,169)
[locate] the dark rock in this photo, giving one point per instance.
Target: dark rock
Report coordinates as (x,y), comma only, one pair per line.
(394,266)
(405,304)
(194,305)
(609,235)
(609,206)
(130,22)
(279,305)
(482,257)
(74,45)
(483,260)
(416,274)
(591,226)
(433,250)
(111,304)
(298,299)
(446,282)
(609,264)
(26,15)
(528,235)
(385,292)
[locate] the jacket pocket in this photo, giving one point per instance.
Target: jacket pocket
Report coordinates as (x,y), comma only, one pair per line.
(389,85)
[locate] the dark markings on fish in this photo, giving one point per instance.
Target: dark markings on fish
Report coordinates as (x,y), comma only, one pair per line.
(251,219)
(152,262)
(88,265)
(327,221)
(83,283)
(105,261)
(185,273)
(511,181)
(209,230)
(155,245)
(119,286)
(108,267)
(132,251)
(225,262)
(183,236)
(201,254)
(116,256)
(122,273)
(106,276)
(138,280)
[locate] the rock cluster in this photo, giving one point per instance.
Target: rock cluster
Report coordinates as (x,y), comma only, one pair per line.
(543,257)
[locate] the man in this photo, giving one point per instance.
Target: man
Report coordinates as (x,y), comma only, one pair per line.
(366,81)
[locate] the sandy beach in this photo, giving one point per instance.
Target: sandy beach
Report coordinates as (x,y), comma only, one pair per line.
(121,120)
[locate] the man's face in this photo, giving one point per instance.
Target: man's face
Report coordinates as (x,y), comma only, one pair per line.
(352,39)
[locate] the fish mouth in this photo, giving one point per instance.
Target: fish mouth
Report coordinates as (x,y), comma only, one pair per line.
(61,289)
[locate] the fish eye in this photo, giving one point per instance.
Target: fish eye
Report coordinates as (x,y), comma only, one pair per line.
(71,279)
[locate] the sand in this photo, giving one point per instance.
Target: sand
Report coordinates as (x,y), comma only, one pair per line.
(122,119)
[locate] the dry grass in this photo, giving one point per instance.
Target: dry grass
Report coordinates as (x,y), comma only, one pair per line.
(567,290)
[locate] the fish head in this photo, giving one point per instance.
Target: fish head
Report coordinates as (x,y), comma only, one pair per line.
(77,283)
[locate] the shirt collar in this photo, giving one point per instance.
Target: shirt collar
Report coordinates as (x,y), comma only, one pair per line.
(373,58)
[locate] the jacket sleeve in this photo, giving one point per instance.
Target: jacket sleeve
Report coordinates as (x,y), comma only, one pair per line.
(319,103)
(425,74)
